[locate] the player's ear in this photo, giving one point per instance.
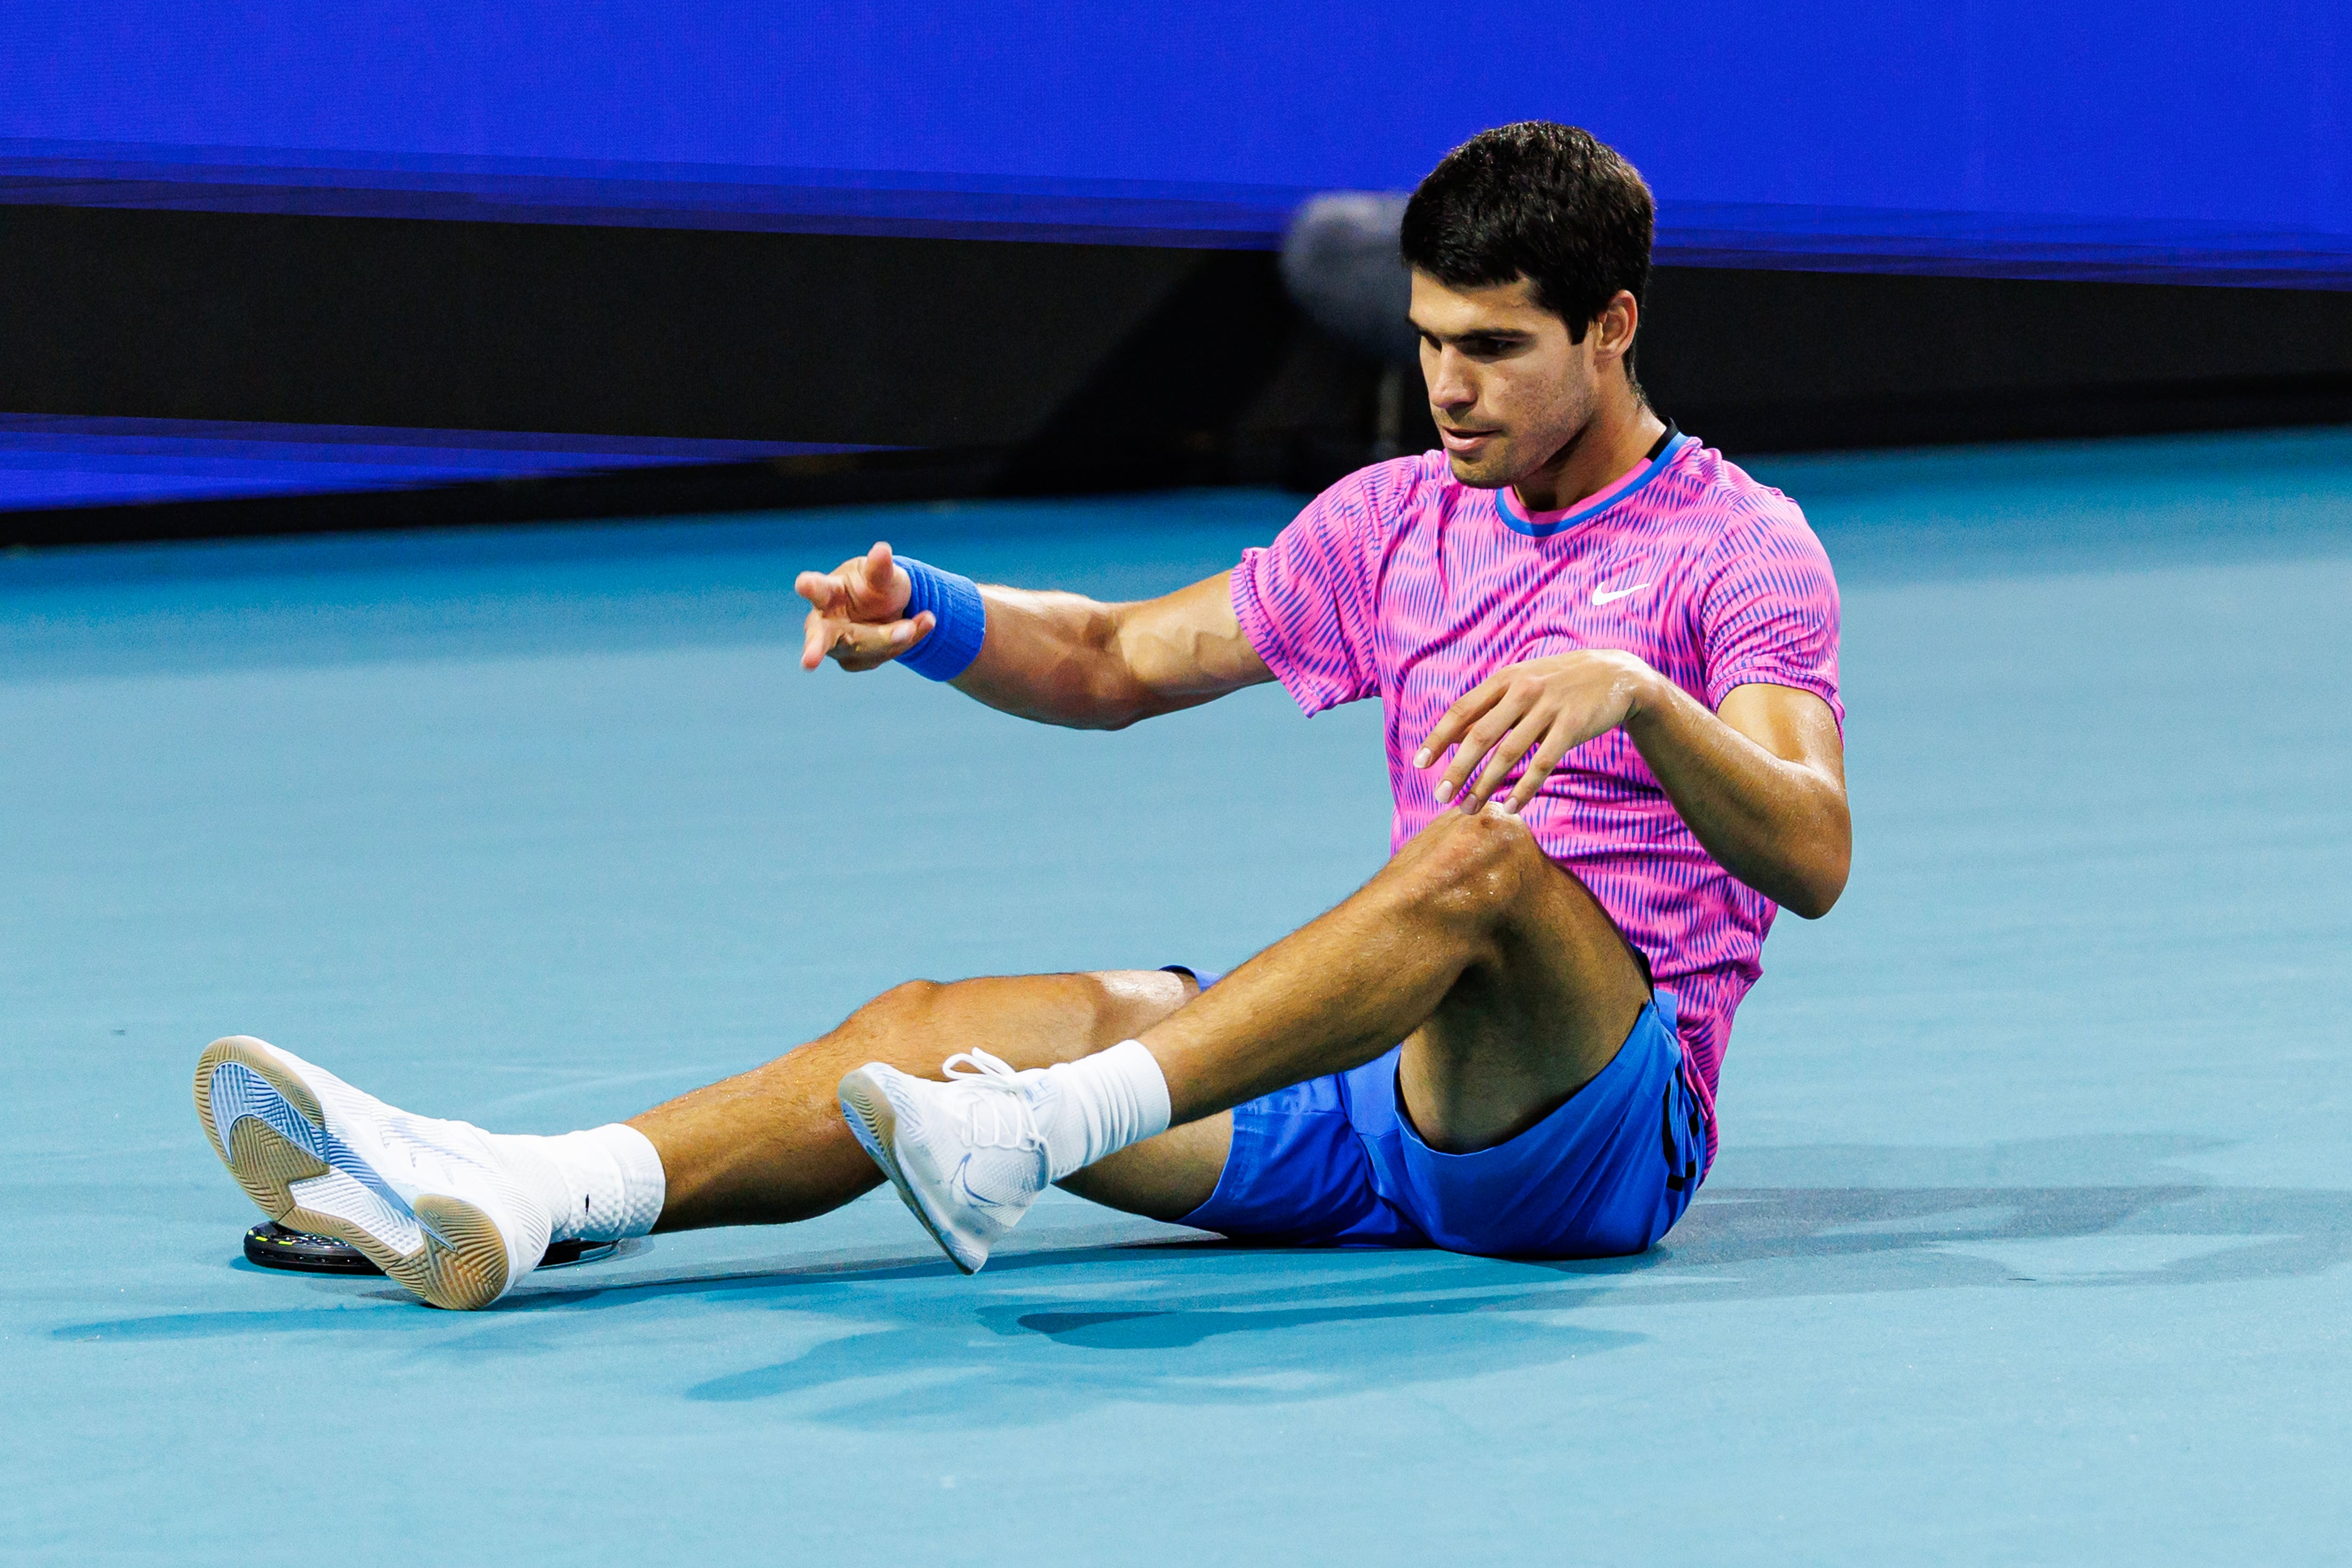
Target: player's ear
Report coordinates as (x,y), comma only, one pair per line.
(1613,329)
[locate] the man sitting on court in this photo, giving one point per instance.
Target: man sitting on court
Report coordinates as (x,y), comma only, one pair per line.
(1608,663)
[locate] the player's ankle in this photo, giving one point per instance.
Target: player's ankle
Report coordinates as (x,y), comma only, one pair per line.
(1103,1103)
(605,1184)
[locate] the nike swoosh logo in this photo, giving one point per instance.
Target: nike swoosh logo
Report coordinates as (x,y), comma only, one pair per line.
(978,1199)
(1611,596)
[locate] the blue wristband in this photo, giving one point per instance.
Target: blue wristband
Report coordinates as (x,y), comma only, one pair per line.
(961,621)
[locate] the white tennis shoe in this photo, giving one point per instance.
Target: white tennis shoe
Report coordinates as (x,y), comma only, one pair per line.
(431,1202)
(968,1156)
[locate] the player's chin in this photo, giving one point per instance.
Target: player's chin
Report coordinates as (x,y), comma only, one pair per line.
(1488,468)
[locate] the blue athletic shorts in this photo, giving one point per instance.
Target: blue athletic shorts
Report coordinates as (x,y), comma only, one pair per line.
(1335,1162)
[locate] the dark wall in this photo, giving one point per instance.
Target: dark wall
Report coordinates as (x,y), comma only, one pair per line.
(552,327)
(1779,359)
(1015,367)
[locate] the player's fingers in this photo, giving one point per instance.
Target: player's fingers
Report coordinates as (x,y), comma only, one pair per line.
(1502,760)
(874,566)
(1491,727)
(1539,767)
(860,646)
(816,634)
(1458,718)
(876,592)
(822,590)
(864,646)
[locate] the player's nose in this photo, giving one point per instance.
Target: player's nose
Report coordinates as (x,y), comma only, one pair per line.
(1450,386)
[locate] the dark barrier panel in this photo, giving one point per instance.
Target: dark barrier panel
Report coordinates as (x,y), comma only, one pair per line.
(1023,367)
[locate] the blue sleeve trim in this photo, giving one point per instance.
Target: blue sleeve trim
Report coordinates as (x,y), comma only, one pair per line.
(962,621)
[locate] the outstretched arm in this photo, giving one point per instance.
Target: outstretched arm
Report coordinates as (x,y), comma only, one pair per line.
(1761,783)
(1060,658)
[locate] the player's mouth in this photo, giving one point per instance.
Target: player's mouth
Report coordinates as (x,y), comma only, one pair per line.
(1465,442)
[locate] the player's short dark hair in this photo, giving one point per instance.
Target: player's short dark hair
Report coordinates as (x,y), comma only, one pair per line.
(1536,199)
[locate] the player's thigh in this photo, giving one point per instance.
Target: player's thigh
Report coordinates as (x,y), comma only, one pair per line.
(1551,992)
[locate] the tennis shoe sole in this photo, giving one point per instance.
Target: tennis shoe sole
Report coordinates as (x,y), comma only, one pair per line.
(874,1122)
(303,1173)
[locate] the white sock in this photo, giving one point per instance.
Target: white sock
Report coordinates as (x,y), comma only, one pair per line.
(602,1184)
(1105,1101)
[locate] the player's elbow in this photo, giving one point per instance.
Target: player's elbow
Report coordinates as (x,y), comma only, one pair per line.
(1105,704)
(1117,720)
(1114,699)
(1110,695)
(1819,881)
(1134,710)
(1816,898)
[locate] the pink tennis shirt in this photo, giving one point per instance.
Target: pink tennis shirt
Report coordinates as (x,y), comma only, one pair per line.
(1404,584)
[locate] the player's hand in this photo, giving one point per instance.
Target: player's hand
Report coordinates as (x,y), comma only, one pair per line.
(1545,707)
(857,613)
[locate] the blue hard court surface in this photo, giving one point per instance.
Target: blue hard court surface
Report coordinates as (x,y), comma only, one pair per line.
(2028,1242)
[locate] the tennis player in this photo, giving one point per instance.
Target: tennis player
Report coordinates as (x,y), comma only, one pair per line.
(1607,660)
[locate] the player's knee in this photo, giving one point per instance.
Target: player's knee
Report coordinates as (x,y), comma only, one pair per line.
(1471,868)
(1124,1003)
(911,999)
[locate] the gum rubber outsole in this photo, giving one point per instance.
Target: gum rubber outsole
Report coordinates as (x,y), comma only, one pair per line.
(875,1125)
(461,1265)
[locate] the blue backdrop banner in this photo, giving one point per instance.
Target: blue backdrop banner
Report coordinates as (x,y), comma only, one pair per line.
(2165,138)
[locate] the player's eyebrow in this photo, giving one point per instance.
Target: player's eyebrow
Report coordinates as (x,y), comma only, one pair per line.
(1501,336)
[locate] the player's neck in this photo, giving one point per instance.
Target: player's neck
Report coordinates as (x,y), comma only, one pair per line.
(1615,440)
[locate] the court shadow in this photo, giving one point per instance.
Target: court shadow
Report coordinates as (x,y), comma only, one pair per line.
(2105,1212)
(1192,1325)
(341,1316)
(1215,1321)
(1116,1312)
